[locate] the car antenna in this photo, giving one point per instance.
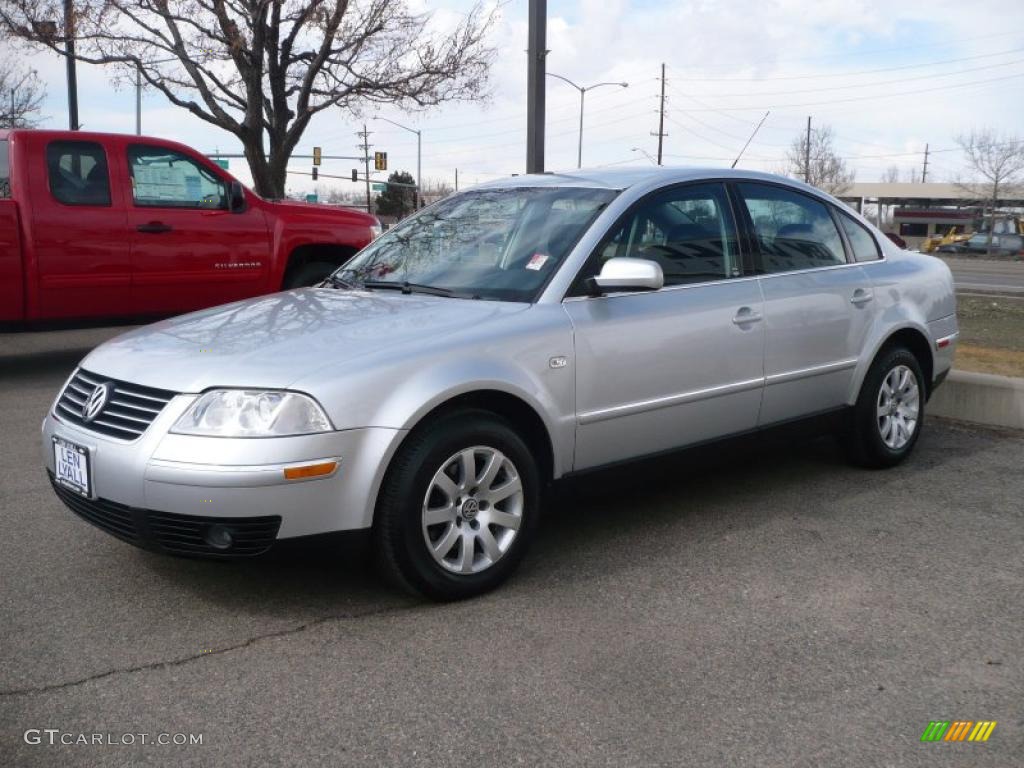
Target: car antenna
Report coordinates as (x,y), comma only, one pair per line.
(750,139)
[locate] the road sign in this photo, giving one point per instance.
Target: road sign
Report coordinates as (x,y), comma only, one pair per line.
(222,162)
(311,198)
(379,187)
(316,155)
(380,161)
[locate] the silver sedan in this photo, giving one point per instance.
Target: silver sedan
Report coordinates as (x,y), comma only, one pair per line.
(490,345)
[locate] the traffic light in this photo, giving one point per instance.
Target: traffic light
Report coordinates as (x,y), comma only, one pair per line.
(316,155)
(355,175)
(315,169)
(380,161)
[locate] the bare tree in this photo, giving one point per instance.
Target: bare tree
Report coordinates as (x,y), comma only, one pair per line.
(827,170)
(997,163)
(891,175)
(21,95)
(261,69)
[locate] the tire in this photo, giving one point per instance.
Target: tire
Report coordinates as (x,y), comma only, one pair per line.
(877,440)
(308,274)
(421,532)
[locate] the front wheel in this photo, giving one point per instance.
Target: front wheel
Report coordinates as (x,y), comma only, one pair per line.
(458,507)
(887,419)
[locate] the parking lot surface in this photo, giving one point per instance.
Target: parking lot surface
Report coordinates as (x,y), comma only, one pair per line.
(761,604)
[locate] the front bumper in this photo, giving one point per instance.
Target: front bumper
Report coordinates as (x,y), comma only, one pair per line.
(164,479)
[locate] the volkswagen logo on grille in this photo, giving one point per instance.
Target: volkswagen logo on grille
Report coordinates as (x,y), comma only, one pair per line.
(92,407)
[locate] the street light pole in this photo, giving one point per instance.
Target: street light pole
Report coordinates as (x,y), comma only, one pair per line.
(69,54)
(138,102)
(419,147)
(583,92)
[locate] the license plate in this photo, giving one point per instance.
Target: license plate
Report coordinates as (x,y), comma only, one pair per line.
(71,463)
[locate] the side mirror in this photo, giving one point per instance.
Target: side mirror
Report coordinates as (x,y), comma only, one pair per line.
(236,197)
(626,274)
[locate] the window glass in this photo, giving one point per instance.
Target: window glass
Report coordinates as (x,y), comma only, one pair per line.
(167,179)
(913,229)
(687,230)
(794,231)
(77,172)
(5,170)
(861,242)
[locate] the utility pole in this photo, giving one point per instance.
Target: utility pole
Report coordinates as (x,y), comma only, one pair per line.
(456,179)
(365,146)
(535,85)
(69,49)
(661,115)
(807,153)
(924,171)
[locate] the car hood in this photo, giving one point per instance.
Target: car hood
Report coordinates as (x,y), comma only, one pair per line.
(274,340)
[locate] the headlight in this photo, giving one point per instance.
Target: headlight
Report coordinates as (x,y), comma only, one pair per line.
(375,230)
(252,413)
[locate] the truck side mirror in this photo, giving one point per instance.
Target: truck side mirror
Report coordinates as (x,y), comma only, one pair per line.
(236,197)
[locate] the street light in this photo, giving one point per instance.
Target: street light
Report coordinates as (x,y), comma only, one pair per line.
(583,92)
(419,137)
(645,154)
(138,92)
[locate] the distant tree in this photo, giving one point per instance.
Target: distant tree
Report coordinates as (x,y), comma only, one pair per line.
(397,200)
(827,169)
(891,175)
(997,163)
(21,95)
(262,69)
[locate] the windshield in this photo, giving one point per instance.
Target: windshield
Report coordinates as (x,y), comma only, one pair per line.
(499,244)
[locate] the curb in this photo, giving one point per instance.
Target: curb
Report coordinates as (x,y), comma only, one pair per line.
(982,398)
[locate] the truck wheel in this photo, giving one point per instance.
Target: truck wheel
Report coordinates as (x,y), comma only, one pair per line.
(308,274)
(458,507)
(887,419)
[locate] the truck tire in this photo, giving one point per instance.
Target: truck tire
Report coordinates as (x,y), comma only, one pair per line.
(889,415)
(458,507)
(308,274)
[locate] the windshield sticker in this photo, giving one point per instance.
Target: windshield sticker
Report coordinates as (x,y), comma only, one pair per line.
(537,261)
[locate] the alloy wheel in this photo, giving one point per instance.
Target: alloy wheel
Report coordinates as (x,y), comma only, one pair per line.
(898,407)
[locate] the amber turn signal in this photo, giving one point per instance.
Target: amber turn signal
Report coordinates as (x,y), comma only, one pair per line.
(310,470)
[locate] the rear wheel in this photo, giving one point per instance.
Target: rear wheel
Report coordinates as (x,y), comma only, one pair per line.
(887,419)
(458,507)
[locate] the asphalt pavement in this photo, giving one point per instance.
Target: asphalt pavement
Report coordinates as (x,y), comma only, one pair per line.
(762,604)
(987,276)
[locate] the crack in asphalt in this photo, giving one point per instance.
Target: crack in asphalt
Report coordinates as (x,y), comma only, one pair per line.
(207,654)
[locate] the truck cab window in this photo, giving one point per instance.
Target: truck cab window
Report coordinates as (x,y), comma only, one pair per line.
(5,171)
(163,178)
(77,172)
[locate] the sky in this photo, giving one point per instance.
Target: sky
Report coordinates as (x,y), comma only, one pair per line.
(888,78)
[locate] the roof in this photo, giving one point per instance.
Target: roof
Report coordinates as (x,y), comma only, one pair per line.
(623,178)
(916,192)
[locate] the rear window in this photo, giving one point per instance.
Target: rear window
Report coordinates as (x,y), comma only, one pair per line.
(5,170)
(863,244)
(78,172)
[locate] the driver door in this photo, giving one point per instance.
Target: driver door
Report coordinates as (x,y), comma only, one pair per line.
(663,369)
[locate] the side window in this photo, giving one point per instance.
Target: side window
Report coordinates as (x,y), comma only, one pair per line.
(687,230)
(861,242)
(163,178)
(77,172)
(5,170)
(793,231)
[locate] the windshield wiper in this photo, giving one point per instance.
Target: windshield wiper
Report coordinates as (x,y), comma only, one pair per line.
(406,287)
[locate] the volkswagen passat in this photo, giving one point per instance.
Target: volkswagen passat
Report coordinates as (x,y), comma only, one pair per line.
(497,341)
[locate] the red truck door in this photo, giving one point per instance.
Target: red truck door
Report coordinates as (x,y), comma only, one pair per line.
(188,250)
(77,227)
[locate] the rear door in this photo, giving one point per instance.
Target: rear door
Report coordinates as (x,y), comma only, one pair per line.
(818,305)
(77,222)
(188,250)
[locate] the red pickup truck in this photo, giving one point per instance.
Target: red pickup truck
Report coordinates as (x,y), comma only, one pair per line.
(105,226)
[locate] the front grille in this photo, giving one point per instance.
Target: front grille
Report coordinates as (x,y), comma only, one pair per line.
(172,533)
(129,410)
(116,519)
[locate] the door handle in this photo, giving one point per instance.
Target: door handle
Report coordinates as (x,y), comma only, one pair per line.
(746,315)
(154,228)
(860,296)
